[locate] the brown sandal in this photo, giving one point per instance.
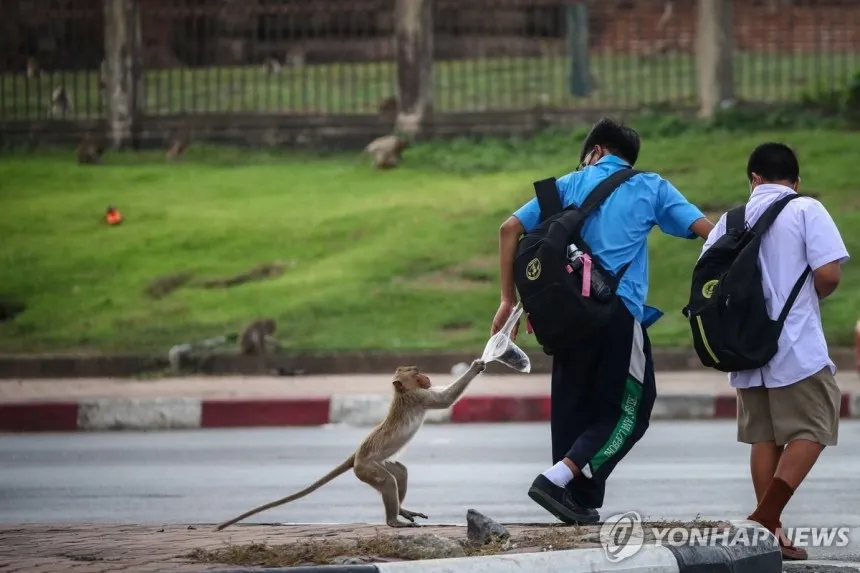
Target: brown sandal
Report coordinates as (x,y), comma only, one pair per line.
(786,547)
(789,551)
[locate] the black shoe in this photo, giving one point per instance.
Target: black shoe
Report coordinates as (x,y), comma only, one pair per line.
(558,501)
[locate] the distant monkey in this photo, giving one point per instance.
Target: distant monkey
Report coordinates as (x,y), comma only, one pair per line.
(89,150)
(373,461)
(255,336)
(295,56)
(386,151)
(33,70)
(61,103)
(666,41)
(271,66)
(388,106)
(668,11)
(176,149)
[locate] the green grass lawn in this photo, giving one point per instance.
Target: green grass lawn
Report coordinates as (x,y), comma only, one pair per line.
(459,85)
(404,259)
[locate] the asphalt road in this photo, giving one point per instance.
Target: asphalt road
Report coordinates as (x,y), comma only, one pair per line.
(679,471)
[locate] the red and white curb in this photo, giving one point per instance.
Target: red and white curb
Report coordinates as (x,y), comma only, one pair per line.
(108,414)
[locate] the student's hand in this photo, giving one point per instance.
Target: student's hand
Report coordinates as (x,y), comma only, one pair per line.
(505,309)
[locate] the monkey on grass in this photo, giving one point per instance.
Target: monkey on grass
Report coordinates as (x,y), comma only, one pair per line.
(89,151)
(386,151)
(373,462)
(255,337)
(176,149)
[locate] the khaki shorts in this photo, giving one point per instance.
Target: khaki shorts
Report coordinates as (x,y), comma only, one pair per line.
(807,410)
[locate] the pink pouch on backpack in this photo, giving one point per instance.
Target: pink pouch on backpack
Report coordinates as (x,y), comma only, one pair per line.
(586,275)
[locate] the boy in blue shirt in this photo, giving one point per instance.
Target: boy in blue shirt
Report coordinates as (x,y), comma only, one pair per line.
(603,389)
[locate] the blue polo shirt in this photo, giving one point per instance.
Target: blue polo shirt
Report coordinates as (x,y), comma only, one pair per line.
(617,231)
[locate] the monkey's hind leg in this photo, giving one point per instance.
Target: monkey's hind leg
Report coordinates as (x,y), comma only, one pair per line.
(400,474)
(376,476)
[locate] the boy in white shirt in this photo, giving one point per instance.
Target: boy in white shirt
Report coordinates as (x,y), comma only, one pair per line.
(789,410)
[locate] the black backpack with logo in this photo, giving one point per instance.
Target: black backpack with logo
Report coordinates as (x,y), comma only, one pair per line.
(727,310)
(550,289)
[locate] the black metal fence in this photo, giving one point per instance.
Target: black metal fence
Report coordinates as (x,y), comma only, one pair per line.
(337,56)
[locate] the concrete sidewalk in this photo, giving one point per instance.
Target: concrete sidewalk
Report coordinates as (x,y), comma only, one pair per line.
(234,401)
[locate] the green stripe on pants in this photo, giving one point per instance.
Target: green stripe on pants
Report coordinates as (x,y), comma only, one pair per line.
(629,408)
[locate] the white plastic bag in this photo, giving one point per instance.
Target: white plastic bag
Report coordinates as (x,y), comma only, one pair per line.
(502,349)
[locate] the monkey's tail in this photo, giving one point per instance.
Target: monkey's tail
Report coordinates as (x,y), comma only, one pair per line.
(341,469)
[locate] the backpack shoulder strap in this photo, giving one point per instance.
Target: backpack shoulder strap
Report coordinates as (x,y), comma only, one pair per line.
(604,189)
(736,219)
(761,226)
(548,199)
(771,213)
(795,292)
(597,196)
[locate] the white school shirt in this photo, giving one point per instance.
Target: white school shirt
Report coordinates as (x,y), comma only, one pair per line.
(803,235)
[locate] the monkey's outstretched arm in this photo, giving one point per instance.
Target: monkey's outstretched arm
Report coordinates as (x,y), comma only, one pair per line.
(341,469)
(441,398)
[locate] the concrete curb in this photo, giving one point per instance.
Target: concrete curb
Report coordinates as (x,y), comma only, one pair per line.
(729,558)
(652,559)
(71,366)
(108,414)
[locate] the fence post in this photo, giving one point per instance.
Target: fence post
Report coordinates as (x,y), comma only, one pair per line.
(123,55)
(714,50)
(413,38)
(577,46)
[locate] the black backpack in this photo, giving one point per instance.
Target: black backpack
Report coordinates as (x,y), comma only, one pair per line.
(727,311)
(550,290)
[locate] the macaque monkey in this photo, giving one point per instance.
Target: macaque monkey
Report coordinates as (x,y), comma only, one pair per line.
(271,66)
(89,150)
(33,70)
(388,106)
(255,336)
(373,461)
(386,151)
(666,40)
(295,56)
(176,149)
(61,103)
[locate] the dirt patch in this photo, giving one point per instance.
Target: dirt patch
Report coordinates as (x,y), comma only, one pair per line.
(469,275)
(166,284)
(260,272)
(385,547)
(361,547)
(453,327)
(162,286)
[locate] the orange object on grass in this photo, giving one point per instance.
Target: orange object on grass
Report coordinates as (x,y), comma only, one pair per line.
(113,216)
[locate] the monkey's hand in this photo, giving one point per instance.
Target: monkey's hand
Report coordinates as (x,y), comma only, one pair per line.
(478,366)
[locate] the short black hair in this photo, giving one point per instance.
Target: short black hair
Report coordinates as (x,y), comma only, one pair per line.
(621,140)
(773,162)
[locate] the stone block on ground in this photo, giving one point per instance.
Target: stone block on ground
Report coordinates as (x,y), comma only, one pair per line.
(480,529)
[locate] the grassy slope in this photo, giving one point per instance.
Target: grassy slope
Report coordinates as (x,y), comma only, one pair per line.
(400,259)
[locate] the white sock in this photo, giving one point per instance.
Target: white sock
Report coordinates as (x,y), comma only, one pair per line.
(559,474)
